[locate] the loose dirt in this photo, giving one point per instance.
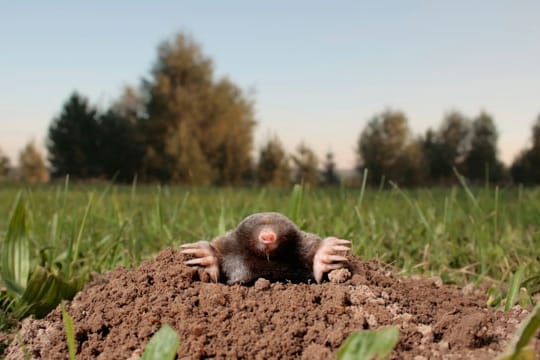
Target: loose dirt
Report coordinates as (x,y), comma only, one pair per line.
(116,315)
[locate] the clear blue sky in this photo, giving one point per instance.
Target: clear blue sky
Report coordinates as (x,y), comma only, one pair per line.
(320,69)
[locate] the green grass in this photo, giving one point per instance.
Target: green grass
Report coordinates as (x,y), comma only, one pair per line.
(461,234)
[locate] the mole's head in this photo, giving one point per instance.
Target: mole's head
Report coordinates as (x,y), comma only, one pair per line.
(266,233)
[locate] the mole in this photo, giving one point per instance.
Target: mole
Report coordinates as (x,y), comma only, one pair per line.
(268,245)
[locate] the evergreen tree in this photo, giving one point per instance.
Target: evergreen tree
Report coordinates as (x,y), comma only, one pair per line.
(526,167)
(72,140)
(330,177)
(273,167)
(33,168)
(306,166)
(117,146)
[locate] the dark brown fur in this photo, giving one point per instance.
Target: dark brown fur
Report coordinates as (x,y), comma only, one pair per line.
(242,258)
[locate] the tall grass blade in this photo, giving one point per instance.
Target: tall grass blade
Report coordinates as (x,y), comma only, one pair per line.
(467,189)
(295,204)
(362,188)
(369,344)
(16,264)
(513,290)
(75,251)
(162,346)
(70,332)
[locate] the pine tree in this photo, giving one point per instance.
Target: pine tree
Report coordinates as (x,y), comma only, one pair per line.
(526,167)
(118,146)
(72,140)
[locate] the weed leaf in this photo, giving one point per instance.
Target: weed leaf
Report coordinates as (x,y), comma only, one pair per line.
(163,345)
(15,257)
(369,344)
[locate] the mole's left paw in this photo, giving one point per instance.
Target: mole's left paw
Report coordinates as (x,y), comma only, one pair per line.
(205,256)
(329,256)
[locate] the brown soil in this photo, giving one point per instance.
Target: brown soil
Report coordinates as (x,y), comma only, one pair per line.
(116,315)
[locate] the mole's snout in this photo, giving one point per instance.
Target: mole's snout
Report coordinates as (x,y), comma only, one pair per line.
(267,236)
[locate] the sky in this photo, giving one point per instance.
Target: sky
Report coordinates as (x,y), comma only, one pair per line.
(317,70)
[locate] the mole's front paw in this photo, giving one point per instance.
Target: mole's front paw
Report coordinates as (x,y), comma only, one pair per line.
(330,256)
(205,256)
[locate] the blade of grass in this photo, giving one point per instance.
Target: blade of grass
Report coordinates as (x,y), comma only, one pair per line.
(70,332)
(74,255)
(513,290)
(295,204)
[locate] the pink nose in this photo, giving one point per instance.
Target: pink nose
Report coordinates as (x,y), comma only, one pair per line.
(267,237)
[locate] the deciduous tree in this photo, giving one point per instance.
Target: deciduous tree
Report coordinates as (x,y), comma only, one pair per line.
(4,164)
(306,166)
(388,150)
(329,175)
(481,162)
(273,167)
(191,117)
(32,164)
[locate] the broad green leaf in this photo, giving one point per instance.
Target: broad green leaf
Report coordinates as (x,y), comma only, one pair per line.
(44,292)
(162,346)
(70,332)
(529,327)
(15,256)
(368,344)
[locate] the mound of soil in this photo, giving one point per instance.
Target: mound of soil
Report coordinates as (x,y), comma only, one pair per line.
(116,315)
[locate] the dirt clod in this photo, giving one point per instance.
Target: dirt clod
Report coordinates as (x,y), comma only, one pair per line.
(116,315)
(339,276)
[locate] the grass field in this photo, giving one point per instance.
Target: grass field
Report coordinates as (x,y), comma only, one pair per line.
(462,235)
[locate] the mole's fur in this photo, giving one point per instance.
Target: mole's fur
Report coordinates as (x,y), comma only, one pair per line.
(271,246)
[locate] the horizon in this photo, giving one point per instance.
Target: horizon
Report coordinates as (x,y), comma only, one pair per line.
(320,72)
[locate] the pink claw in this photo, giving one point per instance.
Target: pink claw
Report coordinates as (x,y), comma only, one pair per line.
(329,256)
(205,256)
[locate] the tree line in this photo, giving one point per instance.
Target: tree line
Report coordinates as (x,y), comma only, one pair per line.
(182,125)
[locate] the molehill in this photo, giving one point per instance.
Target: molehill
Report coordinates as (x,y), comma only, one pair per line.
(117,313)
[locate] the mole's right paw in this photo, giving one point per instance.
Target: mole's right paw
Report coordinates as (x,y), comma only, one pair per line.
(205,256)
